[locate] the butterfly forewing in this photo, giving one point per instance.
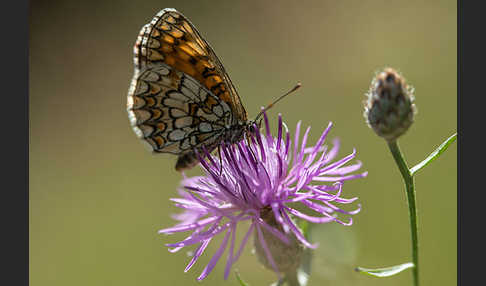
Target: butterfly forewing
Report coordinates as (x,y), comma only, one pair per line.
(172,39)
(180,96)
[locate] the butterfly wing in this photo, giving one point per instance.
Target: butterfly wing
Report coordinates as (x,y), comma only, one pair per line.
(180,97)
(172,39)
(173,113)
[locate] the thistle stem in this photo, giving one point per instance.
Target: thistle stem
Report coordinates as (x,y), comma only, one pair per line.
(412,210)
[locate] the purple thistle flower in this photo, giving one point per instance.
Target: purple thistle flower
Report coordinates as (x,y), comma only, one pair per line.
(258,181)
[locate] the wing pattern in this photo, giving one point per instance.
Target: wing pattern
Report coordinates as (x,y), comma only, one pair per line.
(180,97)
(173,113)
(172,39)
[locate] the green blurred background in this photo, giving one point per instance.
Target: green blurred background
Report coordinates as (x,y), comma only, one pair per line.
(97,197)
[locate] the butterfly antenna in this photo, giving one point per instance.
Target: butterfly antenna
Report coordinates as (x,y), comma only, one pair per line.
(277,100)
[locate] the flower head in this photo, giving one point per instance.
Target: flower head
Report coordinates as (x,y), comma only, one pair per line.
(264,180)
(390,108)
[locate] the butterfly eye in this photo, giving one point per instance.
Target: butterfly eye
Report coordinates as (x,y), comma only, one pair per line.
(252,127)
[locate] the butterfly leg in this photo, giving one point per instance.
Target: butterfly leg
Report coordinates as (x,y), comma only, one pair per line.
(220,161)
(249,142)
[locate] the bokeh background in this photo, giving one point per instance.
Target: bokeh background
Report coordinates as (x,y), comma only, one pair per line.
(97,197)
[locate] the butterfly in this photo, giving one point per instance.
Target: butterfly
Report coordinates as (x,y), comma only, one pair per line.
(181,99)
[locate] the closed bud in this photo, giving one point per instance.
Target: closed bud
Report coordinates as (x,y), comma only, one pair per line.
(390,108)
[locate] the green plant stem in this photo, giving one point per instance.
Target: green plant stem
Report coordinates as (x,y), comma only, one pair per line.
(410,191)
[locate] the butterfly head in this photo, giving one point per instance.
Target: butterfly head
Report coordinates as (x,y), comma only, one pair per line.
(237,132)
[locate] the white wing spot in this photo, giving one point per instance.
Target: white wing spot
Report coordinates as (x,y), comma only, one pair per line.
(163,69)
(169,102)
(134,102)
(203,95)
(189,94)
(129,102)
(146,129)
(147,145)
(205,127)
(178,96)
(141,87)
(174,112)
(185,144)
(151,76)
(191,84)
(138,116)
(154,44)
(177,135)
(218,110)
(183,122)
(132,117)
(137,131)
(193,140)
(209,117)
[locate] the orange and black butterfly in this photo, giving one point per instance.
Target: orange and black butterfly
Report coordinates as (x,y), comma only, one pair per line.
(181,98)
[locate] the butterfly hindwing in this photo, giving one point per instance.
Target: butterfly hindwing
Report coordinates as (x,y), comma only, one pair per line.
(172,112)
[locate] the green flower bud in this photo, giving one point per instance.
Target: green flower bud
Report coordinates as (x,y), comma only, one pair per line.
(390,108)
(287,257)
